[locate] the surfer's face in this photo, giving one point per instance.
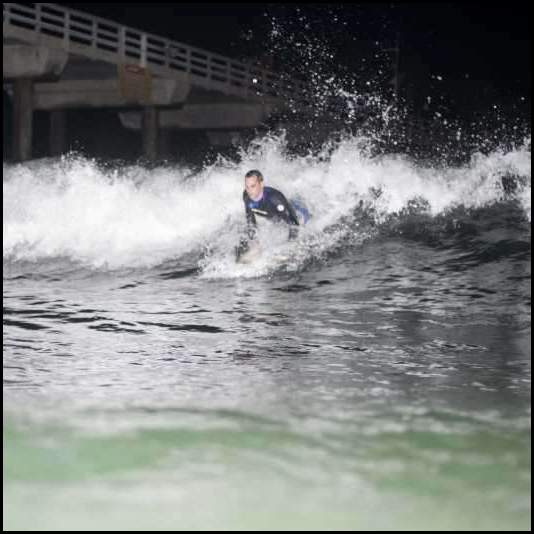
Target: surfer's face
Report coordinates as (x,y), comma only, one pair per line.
(254,187)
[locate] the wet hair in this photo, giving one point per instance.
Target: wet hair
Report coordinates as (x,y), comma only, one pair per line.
(256,173)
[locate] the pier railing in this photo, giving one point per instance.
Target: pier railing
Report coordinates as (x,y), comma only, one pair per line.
(98,38)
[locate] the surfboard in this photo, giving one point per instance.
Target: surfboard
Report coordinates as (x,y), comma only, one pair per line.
(265,246)
(257,253)
(252,254)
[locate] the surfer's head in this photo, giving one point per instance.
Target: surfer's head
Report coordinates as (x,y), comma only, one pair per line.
(254,184)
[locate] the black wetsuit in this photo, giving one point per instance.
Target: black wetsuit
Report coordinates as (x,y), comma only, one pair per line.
(274,206)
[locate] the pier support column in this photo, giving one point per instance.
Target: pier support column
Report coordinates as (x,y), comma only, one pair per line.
(164,145)
(150,132)
(58,132)
(22,119)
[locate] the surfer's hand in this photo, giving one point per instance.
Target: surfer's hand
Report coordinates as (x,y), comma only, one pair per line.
(241,248)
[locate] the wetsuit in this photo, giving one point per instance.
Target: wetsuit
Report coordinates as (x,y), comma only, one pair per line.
(274,206)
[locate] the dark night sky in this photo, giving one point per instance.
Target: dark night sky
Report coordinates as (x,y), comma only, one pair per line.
(448,38)
(466,58)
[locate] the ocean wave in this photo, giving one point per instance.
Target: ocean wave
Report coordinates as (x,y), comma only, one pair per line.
(132,217)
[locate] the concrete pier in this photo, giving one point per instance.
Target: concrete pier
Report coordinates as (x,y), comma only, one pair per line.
(58,132)
(51,64)
(150,132)
(205,116)
(22,119)
(25,61)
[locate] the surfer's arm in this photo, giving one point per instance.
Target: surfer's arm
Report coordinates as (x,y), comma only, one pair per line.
(250,231)
(287,213)
(251,223)
(285,210)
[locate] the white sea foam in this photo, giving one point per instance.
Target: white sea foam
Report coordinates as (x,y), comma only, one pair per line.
(135,217)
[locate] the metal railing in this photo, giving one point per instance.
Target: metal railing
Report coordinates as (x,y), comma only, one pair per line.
(100,37)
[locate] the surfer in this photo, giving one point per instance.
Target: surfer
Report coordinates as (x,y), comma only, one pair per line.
(268,203)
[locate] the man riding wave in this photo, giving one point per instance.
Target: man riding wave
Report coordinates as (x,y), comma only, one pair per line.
(268,203)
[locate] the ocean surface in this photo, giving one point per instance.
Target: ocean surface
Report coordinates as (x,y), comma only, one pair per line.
(374,374)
